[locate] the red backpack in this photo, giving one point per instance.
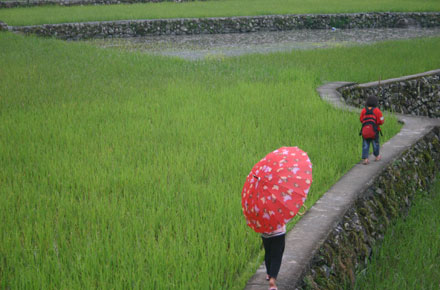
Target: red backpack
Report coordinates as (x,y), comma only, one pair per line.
(369,126)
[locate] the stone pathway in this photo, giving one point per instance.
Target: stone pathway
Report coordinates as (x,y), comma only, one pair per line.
(305,239)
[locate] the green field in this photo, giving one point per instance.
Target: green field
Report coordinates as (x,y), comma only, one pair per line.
(409,257)
(124,170)
(57,14)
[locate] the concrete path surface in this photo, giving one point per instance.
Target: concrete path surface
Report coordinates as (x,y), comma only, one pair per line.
(309,234)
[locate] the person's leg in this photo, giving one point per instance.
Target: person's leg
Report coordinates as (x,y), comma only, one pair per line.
(365,149)
(276,255)
(376,147)
(267,253)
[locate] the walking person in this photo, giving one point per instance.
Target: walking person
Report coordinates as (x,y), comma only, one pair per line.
(371,118)
(273,193)
(273,243)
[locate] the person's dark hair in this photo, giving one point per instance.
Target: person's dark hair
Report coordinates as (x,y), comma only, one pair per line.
(371,101)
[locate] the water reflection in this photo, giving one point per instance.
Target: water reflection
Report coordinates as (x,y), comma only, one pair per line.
(212,45)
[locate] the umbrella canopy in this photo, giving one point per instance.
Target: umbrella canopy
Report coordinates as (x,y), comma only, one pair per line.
(276,188)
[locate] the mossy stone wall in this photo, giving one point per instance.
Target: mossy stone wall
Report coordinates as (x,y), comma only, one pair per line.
(419,96)
(348,248)
(185,26)
(3,26)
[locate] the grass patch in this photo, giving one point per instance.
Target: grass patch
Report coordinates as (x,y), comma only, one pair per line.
(409,257)
(124,170)
(58,14)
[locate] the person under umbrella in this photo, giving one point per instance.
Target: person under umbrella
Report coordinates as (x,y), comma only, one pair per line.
(273,193)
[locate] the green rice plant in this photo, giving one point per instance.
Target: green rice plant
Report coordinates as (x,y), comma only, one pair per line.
(124,170)
(200,9)
(409,257)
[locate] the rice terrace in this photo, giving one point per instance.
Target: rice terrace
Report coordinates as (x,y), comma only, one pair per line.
(127,131)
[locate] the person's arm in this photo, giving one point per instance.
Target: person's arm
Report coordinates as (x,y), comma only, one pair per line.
(379,117)
(362,114)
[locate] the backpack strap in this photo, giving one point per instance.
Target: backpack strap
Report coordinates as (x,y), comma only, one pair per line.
(369,116)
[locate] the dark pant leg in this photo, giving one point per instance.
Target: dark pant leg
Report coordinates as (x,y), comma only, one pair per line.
(365,148)
(274,249)
(376,146)
(267,248)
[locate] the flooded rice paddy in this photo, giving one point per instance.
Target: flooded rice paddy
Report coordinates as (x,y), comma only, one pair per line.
(195,47)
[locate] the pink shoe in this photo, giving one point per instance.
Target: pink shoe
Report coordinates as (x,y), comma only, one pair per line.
(366,162)
(378,157)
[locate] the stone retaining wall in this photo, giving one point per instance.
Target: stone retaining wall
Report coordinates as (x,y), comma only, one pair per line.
(348,248)
(134,28)
(3,26)
(419,96)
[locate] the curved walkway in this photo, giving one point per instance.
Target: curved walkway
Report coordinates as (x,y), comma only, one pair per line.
(309,234)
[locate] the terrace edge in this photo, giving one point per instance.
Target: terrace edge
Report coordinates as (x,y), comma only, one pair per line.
(240,24)
(334,239)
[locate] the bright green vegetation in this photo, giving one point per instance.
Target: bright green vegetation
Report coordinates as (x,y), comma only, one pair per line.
(409,257)
(124,170)
(57,14)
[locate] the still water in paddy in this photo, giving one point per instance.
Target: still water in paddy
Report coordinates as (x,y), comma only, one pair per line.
(195,47)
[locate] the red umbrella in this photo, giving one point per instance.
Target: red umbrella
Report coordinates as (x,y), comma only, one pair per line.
(276,188)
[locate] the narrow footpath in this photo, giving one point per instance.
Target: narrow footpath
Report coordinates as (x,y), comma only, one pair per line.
(310,233)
